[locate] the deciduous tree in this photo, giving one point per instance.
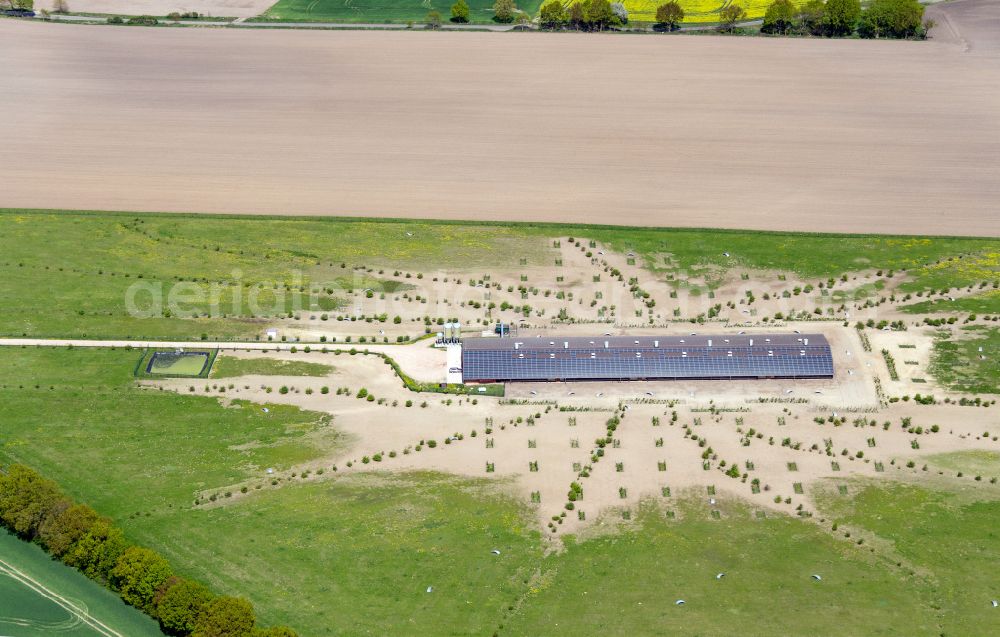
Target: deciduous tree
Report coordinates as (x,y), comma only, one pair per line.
(137,576)
(26,498)
(67,523)
(730,15)
(504,11)
(97,552)
(460,12)
(599,15)
(620,12)
(275,631)
(178,603)
(892,19)
(779,17)
(810,17)
(553,15)
(670,15)
(225,617)
(840,17)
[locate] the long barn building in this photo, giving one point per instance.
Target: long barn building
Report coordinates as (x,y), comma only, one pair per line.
(646,358)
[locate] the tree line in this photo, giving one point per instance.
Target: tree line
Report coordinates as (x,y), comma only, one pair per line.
(844,18)
(827,18)
(36,510)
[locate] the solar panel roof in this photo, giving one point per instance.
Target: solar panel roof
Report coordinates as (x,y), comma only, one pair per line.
(647,357)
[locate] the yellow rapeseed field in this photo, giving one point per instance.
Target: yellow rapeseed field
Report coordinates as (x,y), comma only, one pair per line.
(695,10)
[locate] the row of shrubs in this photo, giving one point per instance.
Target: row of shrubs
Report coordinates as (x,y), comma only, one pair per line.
(36,510)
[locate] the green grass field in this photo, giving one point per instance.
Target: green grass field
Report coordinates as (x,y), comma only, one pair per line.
(944,540)
(971,462)
(958,363)
(628,583)
(986,303)
(355,556)
(40,597)
(79,408)
(229,367)
(53,289)
(380,11)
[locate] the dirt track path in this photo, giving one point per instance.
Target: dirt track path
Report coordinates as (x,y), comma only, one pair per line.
(971,24)
(790,134)
(418,360)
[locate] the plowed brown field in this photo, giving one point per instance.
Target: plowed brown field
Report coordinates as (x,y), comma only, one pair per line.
(792,134)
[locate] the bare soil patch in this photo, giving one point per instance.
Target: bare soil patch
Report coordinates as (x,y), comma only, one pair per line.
(215,8)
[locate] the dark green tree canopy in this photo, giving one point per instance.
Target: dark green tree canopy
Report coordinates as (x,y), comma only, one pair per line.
(840,17)
(504,11)
(26,499)
(670,14)
(97,551)
(139,573)
(179,602)
(225,617)
(552,15)
(892,19)
(599,15)
(275,631)
(810,16)
(68,522)
(779,17)
(460,12)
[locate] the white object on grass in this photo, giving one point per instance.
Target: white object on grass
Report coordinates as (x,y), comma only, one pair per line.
(495,551)
(430,589)
(720,576)
(817,577)
(679,602)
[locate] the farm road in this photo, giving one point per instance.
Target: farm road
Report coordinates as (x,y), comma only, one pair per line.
(419,360)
